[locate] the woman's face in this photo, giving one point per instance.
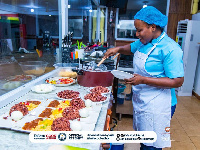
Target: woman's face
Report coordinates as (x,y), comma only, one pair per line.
(144,31)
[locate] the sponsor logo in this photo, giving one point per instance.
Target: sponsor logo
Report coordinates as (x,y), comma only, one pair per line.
(39,136)
(62,136)
(51,136)
(75,136)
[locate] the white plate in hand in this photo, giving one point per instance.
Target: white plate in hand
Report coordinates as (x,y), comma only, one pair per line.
(121,74)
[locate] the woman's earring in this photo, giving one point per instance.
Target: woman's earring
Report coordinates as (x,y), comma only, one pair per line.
(154,28)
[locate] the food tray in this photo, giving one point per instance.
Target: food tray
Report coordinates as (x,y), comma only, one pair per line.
(18,126)
(8,123)
(87,124)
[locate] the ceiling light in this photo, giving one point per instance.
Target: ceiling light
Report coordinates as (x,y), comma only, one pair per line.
(69,6)
(49,15)
(144,6)
(32,10)
(90,10)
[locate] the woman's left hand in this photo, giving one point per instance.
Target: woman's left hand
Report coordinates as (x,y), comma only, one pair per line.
(163,82)
(137,79)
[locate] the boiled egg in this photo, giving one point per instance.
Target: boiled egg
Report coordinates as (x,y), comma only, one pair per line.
(84,113)
(75,126)
(16,115)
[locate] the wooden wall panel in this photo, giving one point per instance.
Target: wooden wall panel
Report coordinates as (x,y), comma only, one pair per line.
(172,8)
(176,6)
(181,17)
(178,10)
(180,6)
(188,4)
(172,25)
(171,19)
(122,43)
(188,16)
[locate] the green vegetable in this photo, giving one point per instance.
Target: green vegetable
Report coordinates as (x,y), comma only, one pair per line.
(80,44)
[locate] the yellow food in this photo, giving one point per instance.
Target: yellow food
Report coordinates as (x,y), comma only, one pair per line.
(53,82)
(31,106)
(34,72)
(44,125)
(69,74)
(56,113)
(64,104)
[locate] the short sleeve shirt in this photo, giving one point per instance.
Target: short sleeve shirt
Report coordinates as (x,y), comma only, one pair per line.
(166,60)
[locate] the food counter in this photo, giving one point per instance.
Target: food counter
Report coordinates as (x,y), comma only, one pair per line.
(17,139)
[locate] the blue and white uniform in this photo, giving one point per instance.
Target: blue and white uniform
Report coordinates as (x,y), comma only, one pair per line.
(152,105)
(164,61)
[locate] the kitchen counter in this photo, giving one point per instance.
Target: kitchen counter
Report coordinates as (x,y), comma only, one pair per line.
(12,140)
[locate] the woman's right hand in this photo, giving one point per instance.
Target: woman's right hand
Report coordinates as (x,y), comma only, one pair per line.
(111,52)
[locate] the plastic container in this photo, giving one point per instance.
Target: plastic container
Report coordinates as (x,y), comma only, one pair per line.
(129,97)
(36,68)
(120,98)
(121,88)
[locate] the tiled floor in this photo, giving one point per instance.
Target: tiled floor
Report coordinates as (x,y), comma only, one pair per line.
(185,126)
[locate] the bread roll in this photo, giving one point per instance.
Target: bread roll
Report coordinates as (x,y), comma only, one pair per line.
(69,74)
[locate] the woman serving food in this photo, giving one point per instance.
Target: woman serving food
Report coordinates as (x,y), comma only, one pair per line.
(158,69)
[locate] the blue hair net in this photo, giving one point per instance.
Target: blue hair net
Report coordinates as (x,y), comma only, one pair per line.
(151,15)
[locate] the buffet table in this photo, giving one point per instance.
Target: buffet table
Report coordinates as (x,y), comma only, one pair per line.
(12,140)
